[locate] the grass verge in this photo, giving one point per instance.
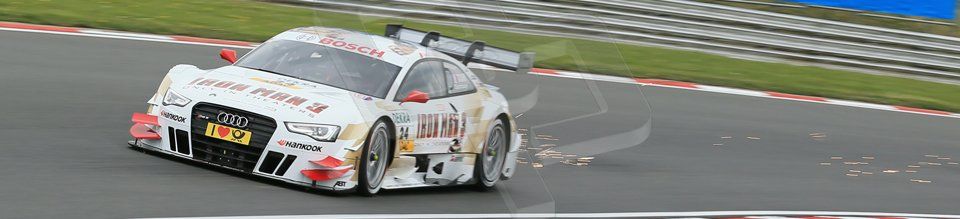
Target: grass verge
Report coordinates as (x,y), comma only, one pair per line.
(257,21)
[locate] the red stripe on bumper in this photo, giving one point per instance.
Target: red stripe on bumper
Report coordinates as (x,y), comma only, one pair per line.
(141,131)
(144,119)
(38,27)
(211,41)
(328,161)
(324,174)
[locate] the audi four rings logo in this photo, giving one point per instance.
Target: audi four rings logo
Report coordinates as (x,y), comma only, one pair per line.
(232,119)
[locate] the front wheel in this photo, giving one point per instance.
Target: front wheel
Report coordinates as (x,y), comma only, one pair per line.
(490,160)
(374,160)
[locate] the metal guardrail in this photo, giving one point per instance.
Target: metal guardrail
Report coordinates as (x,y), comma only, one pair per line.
(827,41)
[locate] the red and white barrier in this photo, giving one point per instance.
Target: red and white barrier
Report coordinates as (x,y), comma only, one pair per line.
(36,28)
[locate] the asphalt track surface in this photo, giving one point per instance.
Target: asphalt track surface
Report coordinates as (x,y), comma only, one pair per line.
(66,103)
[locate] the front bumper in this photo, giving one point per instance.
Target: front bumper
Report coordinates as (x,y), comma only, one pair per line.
(141,144)
(266,155)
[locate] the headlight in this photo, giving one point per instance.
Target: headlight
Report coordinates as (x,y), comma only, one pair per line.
(173,98)
(319,132)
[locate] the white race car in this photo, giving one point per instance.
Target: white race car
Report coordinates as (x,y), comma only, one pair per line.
(342,110)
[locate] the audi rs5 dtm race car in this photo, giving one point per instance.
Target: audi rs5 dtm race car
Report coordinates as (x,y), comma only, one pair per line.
(342,110)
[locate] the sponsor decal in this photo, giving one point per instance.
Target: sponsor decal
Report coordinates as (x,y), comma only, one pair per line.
(353,47)
(307,37)
(440,125)
(317,107)
(227,133)
(279,82)
(406,146)
(402,48)
(362,97)
(340,183)
(215,83)
(279,98)
(401,118)
(173,117)
(299,146)
(316,31)
(434,143)
(336,35)
(404,132)
(455,147)
(460,83)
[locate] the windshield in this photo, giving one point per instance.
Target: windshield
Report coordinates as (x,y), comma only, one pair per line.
(325,65)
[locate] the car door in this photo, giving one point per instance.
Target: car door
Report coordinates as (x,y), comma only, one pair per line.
(463,98)
(426,134)
(439,125)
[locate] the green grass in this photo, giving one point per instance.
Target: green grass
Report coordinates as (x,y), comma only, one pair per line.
(257,21)
(851,17)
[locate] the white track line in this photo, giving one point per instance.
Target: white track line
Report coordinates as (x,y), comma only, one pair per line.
(826,214)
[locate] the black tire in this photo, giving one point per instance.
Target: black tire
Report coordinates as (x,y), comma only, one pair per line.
(490,160)
(375,157)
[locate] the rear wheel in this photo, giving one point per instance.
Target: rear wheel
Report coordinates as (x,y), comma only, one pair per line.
(490,160)
(374,160)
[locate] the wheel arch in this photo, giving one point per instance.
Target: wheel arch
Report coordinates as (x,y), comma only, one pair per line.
(508,126)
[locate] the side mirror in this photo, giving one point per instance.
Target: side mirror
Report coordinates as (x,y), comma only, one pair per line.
(416,96)
(229,55)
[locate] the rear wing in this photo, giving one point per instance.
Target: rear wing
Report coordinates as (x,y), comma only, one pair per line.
(467,52)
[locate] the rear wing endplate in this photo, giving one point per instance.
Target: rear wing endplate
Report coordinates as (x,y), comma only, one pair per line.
(477,52)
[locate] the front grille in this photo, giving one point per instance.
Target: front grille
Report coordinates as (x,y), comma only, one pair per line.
(230,154)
